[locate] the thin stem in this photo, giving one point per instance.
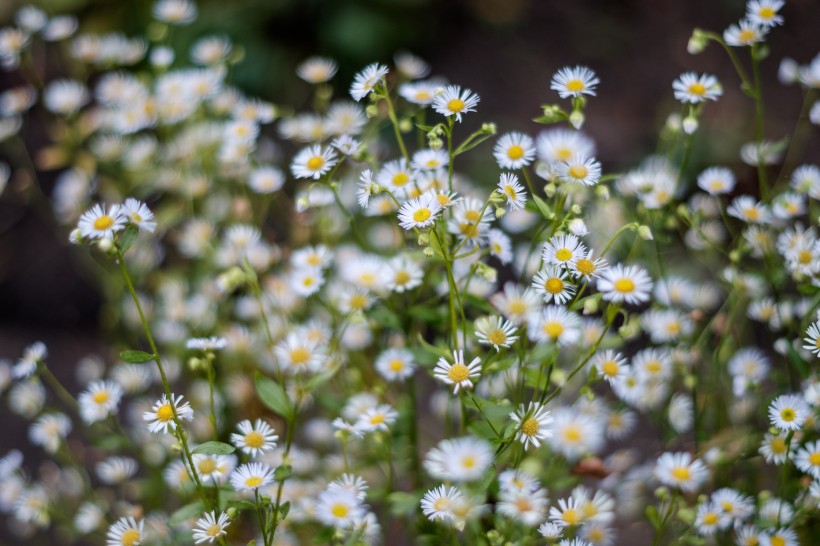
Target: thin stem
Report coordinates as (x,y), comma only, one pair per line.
(758,96)
(391,113)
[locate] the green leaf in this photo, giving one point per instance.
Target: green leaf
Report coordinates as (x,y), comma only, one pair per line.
(653,517)
(214,448)
(242,505)
(186,512)
(542,207)
(283,472)
(273,396)
(127,238)
(136,357)
(321,378)
(425,128)
(284,509)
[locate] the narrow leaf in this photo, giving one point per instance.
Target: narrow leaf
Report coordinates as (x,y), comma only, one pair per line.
(214,448)
(136,357)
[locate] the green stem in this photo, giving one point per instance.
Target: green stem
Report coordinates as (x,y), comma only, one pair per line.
(391,113)
(758,96)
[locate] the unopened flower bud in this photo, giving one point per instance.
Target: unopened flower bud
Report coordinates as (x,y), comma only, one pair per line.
(789,71)
(75,237)
(405,126)
(424,239)
(428,252)
(577,227)
(550,189)
(602,192)
(488,128)
(645,233)
(576,119)
(697,42)
(500,212)
(690,124)
(105,244)
(371,111)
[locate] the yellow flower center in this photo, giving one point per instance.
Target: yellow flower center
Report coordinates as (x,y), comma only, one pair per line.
(530,426)
(206,466)
(572,434)
(402,277)
(340,510)
(745,37)
(458,373)
(441,504)
(468,461)
(778,445)
(563,254)
(377,419)
(584,266)
(698,89)
(681,473)
(624,285)
(766,12)
(130,537)
(315,163)
(727,506)
(253,481)
(563,154)
(510,191)
(716,185)
(571,516)
(400,179)
(554,285)
(553,329)
(136,218)
(814,458)
(575,85)
(610,368)
(421,215)
(468,230)
(518,307)
(578,171)
(752,214)
(396,365)
(455,105)
(497,337)
(299,356)
(165,413)
(804,257)
(443,199)
(515,152)
(788,414)
(103,222)
(523,504)
(101,397)
(710,518)
(777,540)
(422,96)
(358,301)
(254,439)
(214,530)
(472,216)
(653,366)
(589,509)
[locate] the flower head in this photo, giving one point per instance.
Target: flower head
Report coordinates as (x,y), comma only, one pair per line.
(574,82)
(454,101)
(458,373)
(161,417)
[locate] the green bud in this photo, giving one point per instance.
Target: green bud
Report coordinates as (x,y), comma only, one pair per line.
(405,125)
(575,209)
(424,239)
(428,252)
(697,42)
(371,111)
(576,119)
(550,189)
(645,233)
(488,128)
(500,212)
(602,192)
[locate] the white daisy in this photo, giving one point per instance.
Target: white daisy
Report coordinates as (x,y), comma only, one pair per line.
(254,438)
(562,250)
(139,214)
(317,69)
(420,212)
(99,400)
(551,284)
(513,191)
(251,476)
(313,162)
(125,532)
(631,284)
(681,471)
(691,88)
(788,412)
(574,82)
(209,527)
(454,101)
(366,80)
(532,421)
(495,331)
(765,12)
(514,151)
(96,223)
(744,33)
(459,459)
(458,373)
(395,364)
(578,170)
(437,503)
(717,180)
(161,416)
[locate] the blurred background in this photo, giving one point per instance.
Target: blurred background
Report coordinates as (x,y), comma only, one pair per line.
(504,50)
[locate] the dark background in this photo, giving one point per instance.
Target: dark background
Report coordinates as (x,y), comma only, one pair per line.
(505,50)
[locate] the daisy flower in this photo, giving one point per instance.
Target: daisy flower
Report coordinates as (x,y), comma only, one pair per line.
(428,160)
(396,176)
(562,250)
(575,434)
(459,459)
(631,284)
(339,508)
(378,418)
(420,212)
(788,412)
(710,518)
(161,417)
(780,537)
(527,506)
(515,302)
(49,430)
(454,101)
(775,449)
(317,69)
(554,324)
(251,476)
(266,180)
(366,80)
(96,223)
(513,191)
(514,151)
(574,82)
(437,503)
(578,170)
(765,12)
(212,343)
(365,188)
(116,470)
(65,96)
(395,364)
(681,471)
(550,530)
(532,421)
(209,527)
(551,284)
(350,482)
(500,245)
(495,331)
(404,274)
(175,12)
(139,214)
(125,532)
(27,364)
(458,373)
(562,144)
(744,33)
(716,180)
(812,338)
(420,93)
(313,162)
(691,88)
(610,365)
(254,439)
(567,513)
(738,507)
(748,209)
(99,400)
(586,266)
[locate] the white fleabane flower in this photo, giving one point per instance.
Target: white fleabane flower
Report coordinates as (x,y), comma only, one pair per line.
(765,12)
(161,416)
(125,532)
(212,343)
(395,364)
(691,88)
(495,331)
(366,80)
(744,33)
(514,151)
(574,82)
(533,421)
(99,400)
(420,212)
(717,180)
(788,412)
(65,96)
(255,438)
(317,69)
(631,284)
(99,224)
(458,373)
(578,170)
(438,503)
(175,12)
(313,162)
(251,476)
(454,101)
(552,284)
(139,214)
(513,191)
(681,471)
(459,459)
(209,527)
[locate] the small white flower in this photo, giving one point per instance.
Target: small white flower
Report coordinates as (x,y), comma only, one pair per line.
(210,527)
